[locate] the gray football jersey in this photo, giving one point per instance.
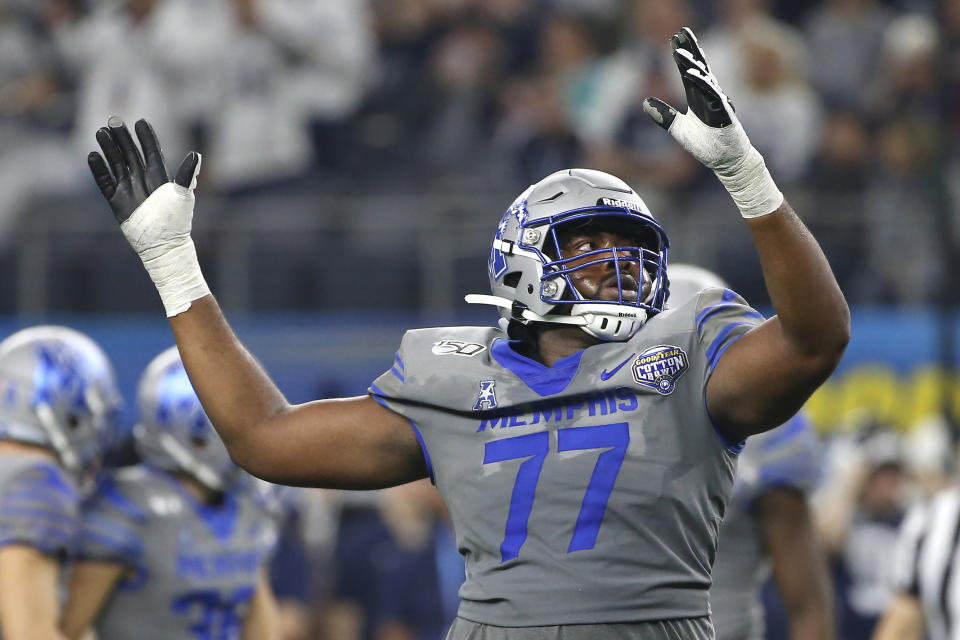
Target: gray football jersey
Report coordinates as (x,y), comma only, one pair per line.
(39,505)
(784,458)
(587,492)
(192,567)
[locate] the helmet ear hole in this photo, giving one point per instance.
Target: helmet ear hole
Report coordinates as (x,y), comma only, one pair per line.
(72,421)
(512,279)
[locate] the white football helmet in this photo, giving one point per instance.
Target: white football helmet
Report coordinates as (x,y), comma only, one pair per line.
(172,431)
(530,281)
(687,280)
(58,390)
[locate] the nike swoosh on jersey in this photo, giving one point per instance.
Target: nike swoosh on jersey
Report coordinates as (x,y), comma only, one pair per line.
(606,375)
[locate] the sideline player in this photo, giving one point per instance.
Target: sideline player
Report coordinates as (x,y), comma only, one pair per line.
(587,460)
(768,524)
(172,548)
(58,406)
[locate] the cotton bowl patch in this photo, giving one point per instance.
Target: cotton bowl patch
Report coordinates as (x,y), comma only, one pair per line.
(660,367)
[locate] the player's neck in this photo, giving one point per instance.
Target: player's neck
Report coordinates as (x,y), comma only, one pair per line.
(12,447)
(556,342)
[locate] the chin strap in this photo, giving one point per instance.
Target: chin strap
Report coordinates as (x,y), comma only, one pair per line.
(595,319)
(503,303)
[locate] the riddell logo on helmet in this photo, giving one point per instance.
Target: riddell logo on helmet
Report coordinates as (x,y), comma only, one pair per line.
(615,202)
(627,315)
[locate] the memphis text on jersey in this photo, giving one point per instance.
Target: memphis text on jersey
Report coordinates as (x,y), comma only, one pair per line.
(595,404)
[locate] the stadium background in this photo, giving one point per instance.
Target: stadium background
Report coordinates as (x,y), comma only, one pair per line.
(358,153)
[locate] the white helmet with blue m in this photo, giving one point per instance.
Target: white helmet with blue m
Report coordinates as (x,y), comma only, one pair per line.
(58,390)
(530,280)
(173,432)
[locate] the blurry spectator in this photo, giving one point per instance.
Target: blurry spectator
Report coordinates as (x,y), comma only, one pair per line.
(902,210)
(465,68)
(724,45)
(398,568)
(36,105)
(845,38)
(908,82)
(534,135)
(862,503)
(621,138)
(124,68)
(842,161)
(929,454)
(259,136)
(775,92)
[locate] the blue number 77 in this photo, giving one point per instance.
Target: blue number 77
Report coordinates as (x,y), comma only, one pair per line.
(535,446)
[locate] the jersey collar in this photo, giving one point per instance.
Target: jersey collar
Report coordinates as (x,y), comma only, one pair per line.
(546,381)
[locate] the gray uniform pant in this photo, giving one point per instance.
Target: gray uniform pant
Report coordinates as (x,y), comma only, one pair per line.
(680,629)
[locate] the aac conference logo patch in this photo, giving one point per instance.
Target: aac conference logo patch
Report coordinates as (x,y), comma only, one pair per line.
(660,367)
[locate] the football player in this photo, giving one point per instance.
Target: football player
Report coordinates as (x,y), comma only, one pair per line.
(768,524)
(586,452)
(170,548)
(58,407)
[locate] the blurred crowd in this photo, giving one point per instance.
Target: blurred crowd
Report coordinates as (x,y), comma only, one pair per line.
(854,104)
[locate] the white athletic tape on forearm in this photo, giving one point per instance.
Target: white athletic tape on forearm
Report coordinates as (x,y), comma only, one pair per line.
(752,187)
(738,165)
(159,231)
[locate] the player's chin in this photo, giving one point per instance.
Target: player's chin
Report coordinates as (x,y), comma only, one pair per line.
(612,294)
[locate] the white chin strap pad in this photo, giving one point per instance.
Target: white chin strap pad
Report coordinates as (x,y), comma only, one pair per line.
(602,321)
(608,324)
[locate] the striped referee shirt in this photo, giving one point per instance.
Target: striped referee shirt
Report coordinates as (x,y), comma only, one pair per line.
(926,562)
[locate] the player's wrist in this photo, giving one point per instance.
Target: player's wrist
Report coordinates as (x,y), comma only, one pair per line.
(751,186)
(159,231)
(177,276)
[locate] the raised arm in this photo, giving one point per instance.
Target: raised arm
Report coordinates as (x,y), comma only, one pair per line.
(766,376)
(347,443)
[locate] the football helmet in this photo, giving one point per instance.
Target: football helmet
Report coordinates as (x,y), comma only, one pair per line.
(172,431)
(530,280)
(58,390)
(687,280)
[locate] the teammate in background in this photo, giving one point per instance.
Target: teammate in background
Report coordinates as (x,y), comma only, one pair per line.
(769,523)
(169,549)
(58,405)
(586,452)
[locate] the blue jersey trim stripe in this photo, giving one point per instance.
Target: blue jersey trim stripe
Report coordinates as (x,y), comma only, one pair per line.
(46,539)
(52,479)
(397,373)
(43,515)
(717,347)
(35,496)
(399,362)
(121,553)
(103,525)
(724,306)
